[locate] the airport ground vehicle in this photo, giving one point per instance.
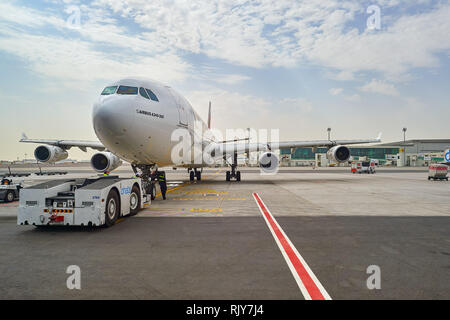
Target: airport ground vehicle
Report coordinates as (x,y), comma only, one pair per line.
(363,167)
(9,191)
(438,172)
(15,174)
(81,202)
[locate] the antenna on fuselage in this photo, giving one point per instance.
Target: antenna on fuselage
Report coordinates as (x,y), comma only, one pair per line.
(209,116)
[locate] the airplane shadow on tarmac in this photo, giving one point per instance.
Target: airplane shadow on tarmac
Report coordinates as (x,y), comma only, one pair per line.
(272,181)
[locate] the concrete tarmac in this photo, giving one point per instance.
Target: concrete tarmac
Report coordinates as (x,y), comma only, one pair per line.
(209,240)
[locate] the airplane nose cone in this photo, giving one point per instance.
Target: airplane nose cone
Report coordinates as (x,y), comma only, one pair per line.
(108,120)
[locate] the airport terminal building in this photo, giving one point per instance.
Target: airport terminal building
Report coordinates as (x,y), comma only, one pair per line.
(414,153)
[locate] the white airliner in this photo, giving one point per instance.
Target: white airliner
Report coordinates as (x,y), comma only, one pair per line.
(134,119)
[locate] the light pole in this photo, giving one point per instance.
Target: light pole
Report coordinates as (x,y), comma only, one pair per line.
(404,135)
(329,133)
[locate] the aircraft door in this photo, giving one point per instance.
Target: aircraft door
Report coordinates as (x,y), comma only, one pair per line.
(182,112)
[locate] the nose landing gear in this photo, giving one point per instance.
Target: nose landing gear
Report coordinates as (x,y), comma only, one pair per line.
(145,175)
(233,174)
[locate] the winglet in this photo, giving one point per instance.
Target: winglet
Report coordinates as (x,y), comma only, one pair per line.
(209,116)
(379,136)
(24,136)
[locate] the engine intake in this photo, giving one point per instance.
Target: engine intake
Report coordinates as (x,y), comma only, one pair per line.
(338,154)
(268,162)
(50,154)
(105,161)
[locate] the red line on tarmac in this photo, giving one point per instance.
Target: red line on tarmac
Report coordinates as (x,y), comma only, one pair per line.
(8,204)
(309,285)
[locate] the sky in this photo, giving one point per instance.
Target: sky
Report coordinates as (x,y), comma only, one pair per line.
(359,67)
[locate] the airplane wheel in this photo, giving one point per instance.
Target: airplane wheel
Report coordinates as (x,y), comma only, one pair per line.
(135,200)
(191,175)
(238,176)
(228,176)
(198,175)
(112,208)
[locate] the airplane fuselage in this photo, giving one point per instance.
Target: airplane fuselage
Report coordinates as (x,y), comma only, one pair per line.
(138,127)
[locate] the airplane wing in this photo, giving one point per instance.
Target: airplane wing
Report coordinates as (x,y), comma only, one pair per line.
(231,148)
(66,144)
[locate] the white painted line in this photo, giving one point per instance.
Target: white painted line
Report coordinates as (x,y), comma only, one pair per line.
(308,283)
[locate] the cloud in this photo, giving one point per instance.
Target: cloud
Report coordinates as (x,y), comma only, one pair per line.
(76,61)
(236,110)
(353,98)
(340,76)
(381,87)
(286,33)
(231,78)
(20,15)
(221,43)
(258,34)
(294,105)
(336,91)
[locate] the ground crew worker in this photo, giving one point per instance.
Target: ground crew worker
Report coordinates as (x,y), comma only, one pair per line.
(162,183)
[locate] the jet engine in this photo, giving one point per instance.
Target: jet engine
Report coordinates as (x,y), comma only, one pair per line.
(338,154)
(50,154)
(268,162)
(105,161)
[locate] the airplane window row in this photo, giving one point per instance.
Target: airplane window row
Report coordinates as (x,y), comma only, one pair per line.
(146,93)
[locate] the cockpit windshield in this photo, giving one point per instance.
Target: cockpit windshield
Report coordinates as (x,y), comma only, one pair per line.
(127,90)
(109,90)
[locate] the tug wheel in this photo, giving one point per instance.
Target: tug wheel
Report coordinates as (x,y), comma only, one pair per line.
(135,200)
(9,196)
(112,208)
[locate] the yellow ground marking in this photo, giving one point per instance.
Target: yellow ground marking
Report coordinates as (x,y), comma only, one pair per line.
(203,209)
(187,183)
(162,209)
(119,220)
(205,192)
(170,190)
(193,199)
(215,173)
(209,199)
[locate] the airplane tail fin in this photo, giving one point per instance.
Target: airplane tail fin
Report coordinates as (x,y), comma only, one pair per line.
(24,136)
(379,136)
(209,116)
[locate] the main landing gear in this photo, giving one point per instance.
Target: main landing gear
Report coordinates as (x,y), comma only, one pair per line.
(233,174)
(194,173)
